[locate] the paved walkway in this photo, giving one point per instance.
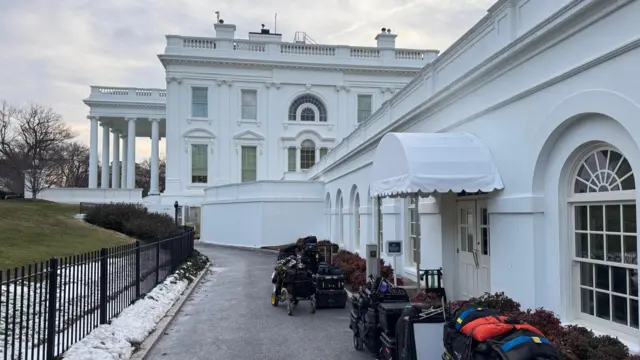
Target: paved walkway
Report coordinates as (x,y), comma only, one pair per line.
(229,317)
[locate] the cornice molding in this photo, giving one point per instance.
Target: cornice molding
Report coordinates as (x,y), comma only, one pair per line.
(276,85)
(224,82)
(187,59)
(343,87)
(113,104)
(174,78)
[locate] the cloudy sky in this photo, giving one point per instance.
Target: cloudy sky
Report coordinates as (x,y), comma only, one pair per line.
(52,50)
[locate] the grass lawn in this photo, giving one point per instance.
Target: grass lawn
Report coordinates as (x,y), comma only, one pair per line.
(33,231)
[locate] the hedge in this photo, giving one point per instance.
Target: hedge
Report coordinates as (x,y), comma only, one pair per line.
(354,268)
(133,220)
(574,342)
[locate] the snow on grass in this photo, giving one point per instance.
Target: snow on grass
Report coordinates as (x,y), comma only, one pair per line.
(118,339)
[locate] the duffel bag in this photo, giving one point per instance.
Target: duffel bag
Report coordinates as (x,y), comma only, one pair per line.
(463,316)
(524,344)
(489,327)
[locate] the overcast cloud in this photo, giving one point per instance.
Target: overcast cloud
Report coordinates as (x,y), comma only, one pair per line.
(51,51)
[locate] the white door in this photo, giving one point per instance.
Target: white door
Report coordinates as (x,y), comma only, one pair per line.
(473,249)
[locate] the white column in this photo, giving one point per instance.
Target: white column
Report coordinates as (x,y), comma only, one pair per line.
(131,153)
(123,170)
(155,157)
(104,178)
(93,153)
(115,158)
(297,158)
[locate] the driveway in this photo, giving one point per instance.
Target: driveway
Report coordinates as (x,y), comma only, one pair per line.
(229,316)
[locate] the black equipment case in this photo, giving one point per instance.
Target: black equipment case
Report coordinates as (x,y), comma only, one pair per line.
(330,292)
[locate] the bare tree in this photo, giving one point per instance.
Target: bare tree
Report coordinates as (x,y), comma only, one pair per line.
(73,169)
(31,142)
(143,175)
(11,159)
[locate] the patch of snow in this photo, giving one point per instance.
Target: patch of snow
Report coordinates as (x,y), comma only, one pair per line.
(79,216)
(116,340)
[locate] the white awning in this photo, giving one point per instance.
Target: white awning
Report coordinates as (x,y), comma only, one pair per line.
(424,163)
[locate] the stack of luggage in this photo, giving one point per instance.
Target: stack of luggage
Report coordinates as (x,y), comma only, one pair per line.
(477,333)
(330,292)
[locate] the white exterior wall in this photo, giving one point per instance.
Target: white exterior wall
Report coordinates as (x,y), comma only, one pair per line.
(265,213)
(226,132)
(537,112)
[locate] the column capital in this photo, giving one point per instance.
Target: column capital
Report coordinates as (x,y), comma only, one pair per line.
(151,120)
(174,78)
(130,119)
(105,124)
(91,117)
(115,132)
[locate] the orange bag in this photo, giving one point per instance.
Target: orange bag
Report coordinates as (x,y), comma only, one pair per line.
(489,327)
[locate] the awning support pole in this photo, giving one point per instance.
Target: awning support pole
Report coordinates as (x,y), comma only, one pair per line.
(417,252)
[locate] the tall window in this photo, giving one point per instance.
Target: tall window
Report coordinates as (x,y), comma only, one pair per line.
(307,154)
(291,159)
(413,219)
(308,113)
(356,219)
(364,107)
(249,104)
(323,152)
(249,164)
(199,102)
(199,163)
(605,253)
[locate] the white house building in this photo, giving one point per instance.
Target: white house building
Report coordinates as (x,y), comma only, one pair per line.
(520,141)
(241,110)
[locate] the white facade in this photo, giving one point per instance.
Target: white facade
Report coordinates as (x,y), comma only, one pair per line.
(240,110)
(548,87)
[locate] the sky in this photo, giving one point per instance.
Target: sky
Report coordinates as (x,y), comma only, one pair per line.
(53,50)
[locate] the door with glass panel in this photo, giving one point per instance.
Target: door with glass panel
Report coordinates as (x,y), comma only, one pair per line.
(473,249)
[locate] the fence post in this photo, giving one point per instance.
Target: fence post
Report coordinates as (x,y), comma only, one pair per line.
(158,261)
(137,269)
(51,308)
(104,273)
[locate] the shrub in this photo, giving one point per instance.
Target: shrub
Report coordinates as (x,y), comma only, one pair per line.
(573,342)
(133,220)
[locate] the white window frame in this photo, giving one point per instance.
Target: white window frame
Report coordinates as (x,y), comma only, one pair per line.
(241,117)
(585,199)
(257,157)
(192,87)
(358,107)
(259,144)
(315,154)
(210,147)
(409,208)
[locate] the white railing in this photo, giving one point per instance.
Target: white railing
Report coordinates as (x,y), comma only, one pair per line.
(137,94)
(177,43)
(78,195)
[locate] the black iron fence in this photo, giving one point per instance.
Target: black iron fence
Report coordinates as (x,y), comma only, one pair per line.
(47,307)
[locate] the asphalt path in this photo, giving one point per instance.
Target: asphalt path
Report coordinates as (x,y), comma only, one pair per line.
(229,316)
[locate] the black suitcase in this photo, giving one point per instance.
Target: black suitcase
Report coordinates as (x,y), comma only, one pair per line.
(331,299)
(389,315)
(329,282)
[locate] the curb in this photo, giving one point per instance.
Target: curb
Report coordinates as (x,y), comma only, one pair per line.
(239,247)
(150,342)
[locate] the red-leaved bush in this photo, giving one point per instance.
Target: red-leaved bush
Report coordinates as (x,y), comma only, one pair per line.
(574,342)
(354,268)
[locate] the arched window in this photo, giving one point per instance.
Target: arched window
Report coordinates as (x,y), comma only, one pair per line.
(316,111)
(356,219)
(307,154)
(605,245)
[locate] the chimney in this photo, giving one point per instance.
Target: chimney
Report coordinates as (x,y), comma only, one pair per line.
(386,40)
(224,31)
(265,35)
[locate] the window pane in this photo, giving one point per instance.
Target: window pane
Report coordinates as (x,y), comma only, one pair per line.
(633,309)
(613,218)
(582,245)
(629,218)
(596,216)
(586,274)
(596,246)
(463,239)
(619,307)
(323,152)
(364,107)
(249,104)
(291,159)
(619,280)
(307,154)
(249,163)
(582,218)
(602,277)
(603,305)
(586,301)
(614,248)
(633,282)
(199,102)
(308,114)
(199,163)
(630,250)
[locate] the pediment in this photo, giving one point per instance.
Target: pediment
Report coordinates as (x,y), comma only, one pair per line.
(248,135)
(199,133)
